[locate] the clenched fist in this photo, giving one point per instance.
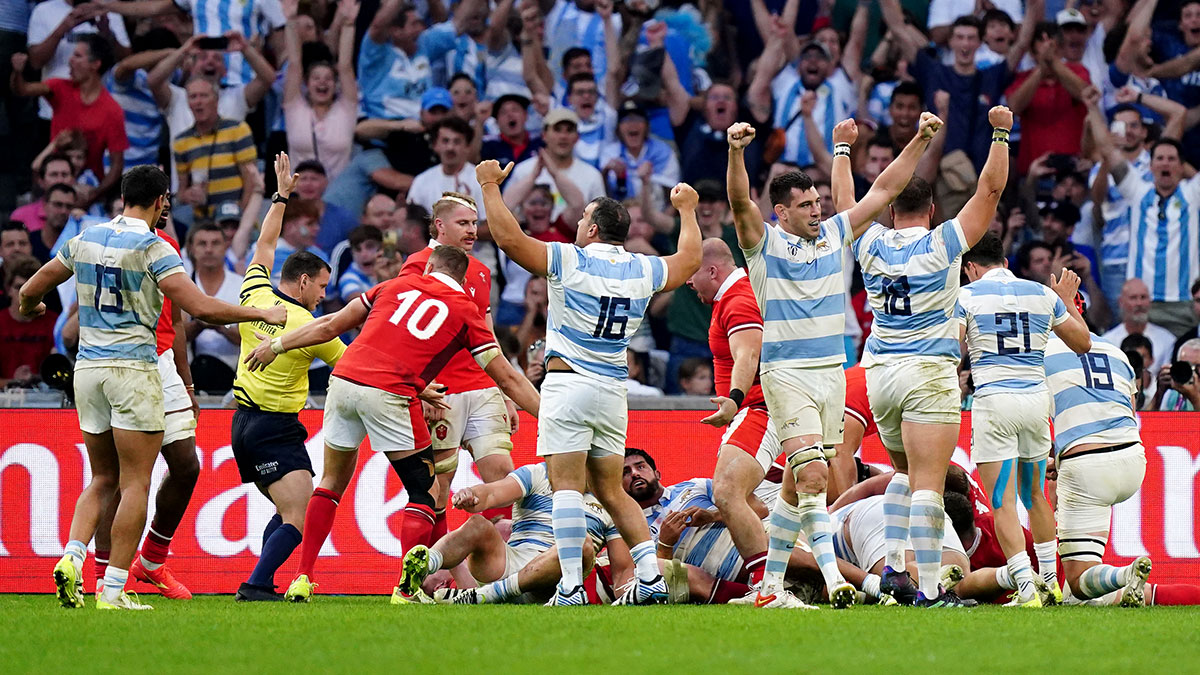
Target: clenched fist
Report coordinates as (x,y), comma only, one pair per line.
(930,125)
(739,135)
(845,131)
(684,197)
(1000,117)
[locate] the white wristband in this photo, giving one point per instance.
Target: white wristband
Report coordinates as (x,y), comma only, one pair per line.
(277,345)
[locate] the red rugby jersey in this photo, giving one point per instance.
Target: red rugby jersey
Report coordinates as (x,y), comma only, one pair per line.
(734,310)
(461,373)
(415,325)
(165,330)
(857,405)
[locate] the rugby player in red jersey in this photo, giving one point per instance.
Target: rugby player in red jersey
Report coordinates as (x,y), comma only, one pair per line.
(479,418)
(413,326)
(750,444)
(179,451)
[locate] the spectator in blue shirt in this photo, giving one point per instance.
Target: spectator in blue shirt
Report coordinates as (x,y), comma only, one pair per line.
(620,160)
(366,243)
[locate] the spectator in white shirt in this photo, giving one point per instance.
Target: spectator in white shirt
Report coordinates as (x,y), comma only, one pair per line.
(560,131)
(206,247)
(452,144)
(1134,302)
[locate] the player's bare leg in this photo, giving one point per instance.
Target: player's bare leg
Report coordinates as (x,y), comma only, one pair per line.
(281,536)
(539,577)
(1031,486)
(801,508)
(170,504)
(1087,578)
(734,480)
(843,472)
(322,506)
(477,542)
(929,448)
(91,504)
(605,477)
(136,452)
(1000,482)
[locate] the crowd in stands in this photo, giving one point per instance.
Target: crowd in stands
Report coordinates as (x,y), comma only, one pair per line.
(385,104)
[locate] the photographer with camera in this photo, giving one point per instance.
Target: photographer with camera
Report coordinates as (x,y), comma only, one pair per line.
(1179,383)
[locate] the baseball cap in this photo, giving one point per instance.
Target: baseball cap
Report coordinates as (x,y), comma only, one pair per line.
(1065,212)
(1070,16)
(709,190)
(515,98)
(560,115)
(227,211)
(632,109)
(816,46)
(438,96)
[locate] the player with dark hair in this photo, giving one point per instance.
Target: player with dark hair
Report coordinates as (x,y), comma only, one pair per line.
(795,269)
(911,358)
(122,272)
(268,437)
(411,327)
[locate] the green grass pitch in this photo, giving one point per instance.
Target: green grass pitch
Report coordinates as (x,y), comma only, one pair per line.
(366,634)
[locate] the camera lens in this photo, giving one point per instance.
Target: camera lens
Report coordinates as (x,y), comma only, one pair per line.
(1181,372)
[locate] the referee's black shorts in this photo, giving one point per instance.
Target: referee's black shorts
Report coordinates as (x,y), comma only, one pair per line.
(268,445)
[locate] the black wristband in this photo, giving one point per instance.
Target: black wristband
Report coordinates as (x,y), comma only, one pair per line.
(279,199)
(737,396)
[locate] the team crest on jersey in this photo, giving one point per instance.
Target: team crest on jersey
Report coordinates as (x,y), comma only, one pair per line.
(822,245)
(441,432)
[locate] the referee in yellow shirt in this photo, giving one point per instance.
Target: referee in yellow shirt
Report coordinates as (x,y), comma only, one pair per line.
(268,438)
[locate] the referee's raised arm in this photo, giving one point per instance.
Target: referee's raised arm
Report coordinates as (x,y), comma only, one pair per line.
(746,217)
(264,250)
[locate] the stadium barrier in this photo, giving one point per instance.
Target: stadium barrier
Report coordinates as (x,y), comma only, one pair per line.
(43,468)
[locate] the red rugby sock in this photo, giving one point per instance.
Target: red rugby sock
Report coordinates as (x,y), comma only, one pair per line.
(318,521)
(1174,594)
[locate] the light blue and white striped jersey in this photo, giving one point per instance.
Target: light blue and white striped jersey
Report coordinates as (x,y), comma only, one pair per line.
(1114,241)
(531,522)
(352,282)
(831,107)
(450,53)
(251,18)
(390,82)
(143,120)
(1092,395)
(600,526)
(911,277)
(568,26)
(801,293)
(598,298)
(117,267)
(505,75)
(1008,322)
(1164,238)
(595,131)
(710,547)
(653,511)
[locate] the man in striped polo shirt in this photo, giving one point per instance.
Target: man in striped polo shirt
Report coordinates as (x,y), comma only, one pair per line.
(215,157)
(1164,220)
(912,278)
(795,268)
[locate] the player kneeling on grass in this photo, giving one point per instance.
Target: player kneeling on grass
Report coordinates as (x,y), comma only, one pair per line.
(411,326)
(528,563)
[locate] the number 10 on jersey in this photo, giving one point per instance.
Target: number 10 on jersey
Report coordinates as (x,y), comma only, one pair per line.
(432,313)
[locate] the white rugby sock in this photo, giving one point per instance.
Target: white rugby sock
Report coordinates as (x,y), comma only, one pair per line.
(1101,580)
(1021,570)
(499,591)
(435,560)
(927,524)
(78,552)
(897,501)
(645,562)
(1047,555)
(570,530)
(814,520)
(782,532)
(870,585)
(114,583)
(1004,579)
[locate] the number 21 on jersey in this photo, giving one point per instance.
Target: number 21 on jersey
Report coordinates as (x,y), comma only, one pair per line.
(425,319)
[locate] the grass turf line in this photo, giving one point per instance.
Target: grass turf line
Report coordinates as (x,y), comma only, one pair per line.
(344,634)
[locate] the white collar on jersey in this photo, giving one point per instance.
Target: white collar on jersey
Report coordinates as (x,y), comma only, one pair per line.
(730,280)
(608,248)
(998,273)
(448,280)
(128,222)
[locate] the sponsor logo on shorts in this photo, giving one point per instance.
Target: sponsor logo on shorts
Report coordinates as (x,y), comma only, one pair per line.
(441,431)
(792,423)
(269,467)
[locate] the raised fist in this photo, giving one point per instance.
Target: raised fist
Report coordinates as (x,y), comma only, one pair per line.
(739,135)
(845,131)
(1000,117)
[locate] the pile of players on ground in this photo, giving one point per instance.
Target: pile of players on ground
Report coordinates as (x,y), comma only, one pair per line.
(577,533)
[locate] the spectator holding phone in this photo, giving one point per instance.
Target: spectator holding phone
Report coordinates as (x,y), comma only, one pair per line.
(1179,383)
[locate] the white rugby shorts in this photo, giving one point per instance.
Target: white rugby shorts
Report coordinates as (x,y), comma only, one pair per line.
(127,396)
(582,414)
(180,422)
(921,390)
(472,414)
(806,402)
(1089,485)
(353,411)
(1011,425)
